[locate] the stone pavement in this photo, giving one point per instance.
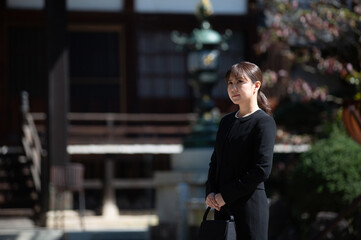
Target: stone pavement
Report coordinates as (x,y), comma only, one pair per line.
(123,221)
(121,227)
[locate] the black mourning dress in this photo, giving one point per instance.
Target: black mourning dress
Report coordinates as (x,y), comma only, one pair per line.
(240,163)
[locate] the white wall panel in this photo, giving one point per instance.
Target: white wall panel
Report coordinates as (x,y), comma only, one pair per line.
(231,7)
(95,5)
(26,4)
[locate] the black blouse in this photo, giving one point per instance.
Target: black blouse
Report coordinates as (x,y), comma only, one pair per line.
(242,157)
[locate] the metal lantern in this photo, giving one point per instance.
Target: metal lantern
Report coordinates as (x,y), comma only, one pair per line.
(203,45)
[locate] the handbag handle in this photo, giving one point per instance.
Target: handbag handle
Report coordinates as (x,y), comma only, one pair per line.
(231,217)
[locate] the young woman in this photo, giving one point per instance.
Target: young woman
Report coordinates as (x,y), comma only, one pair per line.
(243,153)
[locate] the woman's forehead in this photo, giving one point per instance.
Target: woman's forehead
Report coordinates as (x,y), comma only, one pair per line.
(238,75)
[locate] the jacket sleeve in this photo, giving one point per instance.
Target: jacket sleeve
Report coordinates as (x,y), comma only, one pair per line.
(260,169)
(211,181)
(212,172)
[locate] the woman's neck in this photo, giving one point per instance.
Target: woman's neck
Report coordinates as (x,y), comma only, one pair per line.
(245,111)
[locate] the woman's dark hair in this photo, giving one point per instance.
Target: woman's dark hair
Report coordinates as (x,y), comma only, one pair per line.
(254,73)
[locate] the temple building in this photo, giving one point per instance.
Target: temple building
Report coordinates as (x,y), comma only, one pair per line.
(106,87)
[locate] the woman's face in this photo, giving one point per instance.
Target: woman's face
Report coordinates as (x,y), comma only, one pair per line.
(241,89)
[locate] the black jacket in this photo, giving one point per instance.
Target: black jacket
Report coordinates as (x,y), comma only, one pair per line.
(240,163)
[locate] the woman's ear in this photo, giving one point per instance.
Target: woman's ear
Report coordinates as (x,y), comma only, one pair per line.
(257,85)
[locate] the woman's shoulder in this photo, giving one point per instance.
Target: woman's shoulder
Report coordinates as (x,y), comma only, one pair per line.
(263,115)
(264,120)
(228,116)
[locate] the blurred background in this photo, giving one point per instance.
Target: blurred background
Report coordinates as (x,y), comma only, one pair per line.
(109,110)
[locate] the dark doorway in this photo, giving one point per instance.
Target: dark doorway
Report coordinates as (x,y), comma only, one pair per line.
(96,69)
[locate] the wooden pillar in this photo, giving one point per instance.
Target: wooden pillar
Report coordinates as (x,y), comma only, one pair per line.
(110,208)
(57,96)
(58,80)
(131,57)
(3,75)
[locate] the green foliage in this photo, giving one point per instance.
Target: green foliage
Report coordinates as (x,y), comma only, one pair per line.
(328,177)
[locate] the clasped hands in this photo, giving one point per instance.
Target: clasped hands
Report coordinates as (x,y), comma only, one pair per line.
(215,201)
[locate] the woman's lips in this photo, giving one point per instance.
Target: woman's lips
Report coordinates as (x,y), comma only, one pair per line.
(237,95)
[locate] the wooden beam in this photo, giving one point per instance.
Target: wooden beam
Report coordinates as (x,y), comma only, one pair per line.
(120,183)
(3,75)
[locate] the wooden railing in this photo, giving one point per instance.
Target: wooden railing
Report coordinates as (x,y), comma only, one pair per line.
(32,148)
(88,129)
(117,128)
(31,143)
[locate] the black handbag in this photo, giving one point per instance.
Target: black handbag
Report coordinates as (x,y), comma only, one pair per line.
(217,229)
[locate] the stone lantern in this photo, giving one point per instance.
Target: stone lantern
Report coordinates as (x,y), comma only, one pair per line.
(203,45)
(180,191)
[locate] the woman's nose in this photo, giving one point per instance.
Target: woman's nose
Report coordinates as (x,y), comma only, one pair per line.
(234,86)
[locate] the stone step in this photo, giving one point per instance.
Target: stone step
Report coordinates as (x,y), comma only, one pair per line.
(46,234)
(105,235)
(14,212)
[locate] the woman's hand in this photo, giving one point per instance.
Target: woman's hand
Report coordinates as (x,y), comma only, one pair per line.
(219,200)
(211,201)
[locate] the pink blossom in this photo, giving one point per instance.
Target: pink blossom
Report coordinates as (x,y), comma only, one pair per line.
(349,67)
